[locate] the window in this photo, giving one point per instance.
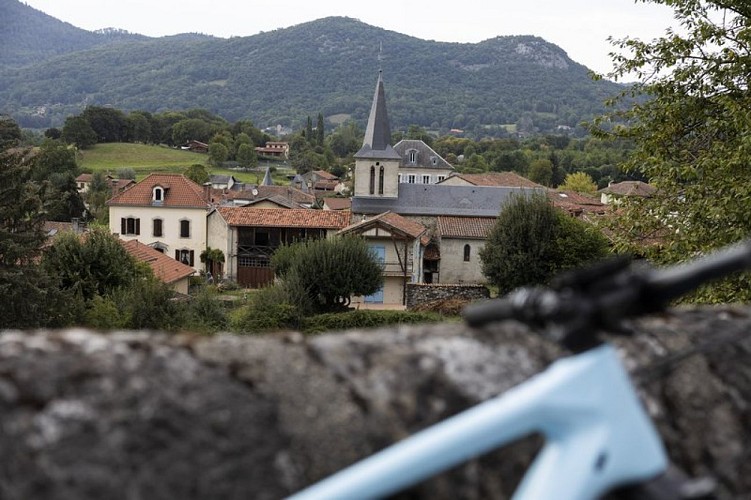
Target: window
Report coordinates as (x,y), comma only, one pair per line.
(184,229)
(401,178)
(380,180)
(412,156)
(440,178)
(158,195)
(411,178)
(184,256)
(130,226)
(372,180)
(157,228)
(426,179)
(467,251)
(434,160)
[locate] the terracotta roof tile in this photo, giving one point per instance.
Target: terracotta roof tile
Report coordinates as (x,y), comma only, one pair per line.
(179,192)
(630,188)
(465,227)
(338,203)
(284,217)
(291,193)
(165,268)
(391,219)
(575,203)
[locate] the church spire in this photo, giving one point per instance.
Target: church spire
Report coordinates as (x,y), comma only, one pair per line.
(377,141)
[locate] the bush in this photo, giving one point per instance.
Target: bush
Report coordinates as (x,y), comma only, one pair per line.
(365,319)
(205,313)
(277,307)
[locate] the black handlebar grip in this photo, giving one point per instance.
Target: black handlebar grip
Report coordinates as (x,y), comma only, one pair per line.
(481,313)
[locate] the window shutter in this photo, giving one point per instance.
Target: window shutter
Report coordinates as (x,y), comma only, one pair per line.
(123,226)
(177,254)
(191,257)
(138,227)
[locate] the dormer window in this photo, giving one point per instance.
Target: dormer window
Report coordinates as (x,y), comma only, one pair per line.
(158,195)
(434,160)
(412,156)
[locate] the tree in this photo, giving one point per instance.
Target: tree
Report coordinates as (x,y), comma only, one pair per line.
(96,197)
(109,124)
(77,130)
(218,153)
(29,298)
(691,134)
(96,265)
(329,271)
(579,182)
(213,258)
(309,131)
(246,156)
(197,173)
(10,133)
(192,129)
(54,168)
(319,130)
(532,241)
(541,172)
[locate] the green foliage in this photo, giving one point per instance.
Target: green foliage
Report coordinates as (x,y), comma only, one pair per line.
(691,130)
(147,304)
(205,313)
(532,241)
(246,156)
(197,173)
(103,314)
(218,153)
(329,270)
(77,130)
(95,265)
(579,182)
(541,172)
(10,133)
(277,307)
(365,319)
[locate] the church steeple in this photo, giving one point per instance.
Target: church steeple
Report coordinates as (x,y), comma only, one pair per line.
(377,141)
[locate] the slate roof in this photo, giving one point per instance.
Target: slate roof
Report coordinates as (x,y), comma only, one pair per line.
(377,141)
(426,156)
(438,199)
(165,268)
(284,217)
(179,192)
(476,228)
(498,179)
(294,194)
(391,220)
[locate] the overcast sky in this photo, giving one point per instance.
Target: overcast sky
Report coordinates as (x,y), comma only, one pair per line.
(580,27)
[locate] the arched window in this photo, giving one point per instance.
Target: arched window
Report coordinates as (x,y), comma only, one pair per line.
(372,180)
(467,251)
(158,194)
(380,180)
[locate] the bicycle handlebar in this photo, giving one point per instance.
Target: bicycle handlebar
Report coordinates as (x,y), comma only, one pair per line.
(598,297)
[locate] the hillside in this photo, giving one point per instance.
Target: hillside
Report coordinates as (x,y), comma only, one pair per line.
(327,66)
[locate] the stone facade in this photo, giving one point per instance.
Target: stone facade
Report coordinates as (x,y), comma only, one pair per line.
(420,293)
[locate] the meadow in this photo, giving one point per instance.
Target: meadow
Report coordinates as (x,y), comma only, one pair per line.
(145,159)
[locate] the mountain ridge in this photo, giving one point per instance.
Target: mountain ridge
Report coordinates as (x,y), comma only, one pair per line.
(328,66)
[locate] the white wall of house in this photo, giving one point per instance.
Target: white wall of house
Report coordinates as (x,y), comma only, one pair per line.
(422,175)
(172,220)
(454,267)
(223,237)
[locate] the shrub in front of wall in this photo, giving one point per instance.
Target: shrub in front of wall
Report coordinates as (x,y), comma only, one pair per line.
(365,319)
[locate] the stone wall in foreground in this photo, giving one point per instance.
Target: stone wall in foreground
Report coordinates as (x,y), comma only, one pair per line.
(132,415)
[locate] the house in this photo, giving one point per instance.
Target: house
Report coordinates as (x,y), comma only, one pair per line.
(420,164)
(397,242)
(173,273)
(274,149)
(576,204)
(249,236)
(83,183)
(166,212)
(611,194)
(461,239)
(196,146)
(223,182)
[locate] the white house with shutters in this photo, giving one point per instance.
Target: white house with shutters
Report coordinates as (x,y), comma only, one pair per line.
(166,212)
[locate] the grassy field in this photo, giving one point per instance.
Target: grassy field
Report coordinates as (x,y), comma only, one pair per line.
(147,159)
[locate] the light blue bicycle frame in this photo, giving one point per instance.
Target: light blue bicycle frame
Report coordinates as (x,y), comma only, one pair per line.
(597,436)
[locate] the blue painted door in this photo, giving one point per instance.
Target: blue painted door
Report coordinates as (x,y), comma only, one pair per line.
(380,254)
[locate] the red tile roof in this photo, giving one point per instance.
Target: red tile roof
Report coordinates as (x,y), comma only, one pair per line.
(575,203)
(291,193)
(389,219)
(326,175)
(284,217)
(499,179)
(338,203)
(179,192)
(164,267)
(465,227)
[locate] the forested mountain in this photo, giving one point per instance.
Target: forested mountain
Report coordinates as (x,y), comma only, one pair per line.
(522,82)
